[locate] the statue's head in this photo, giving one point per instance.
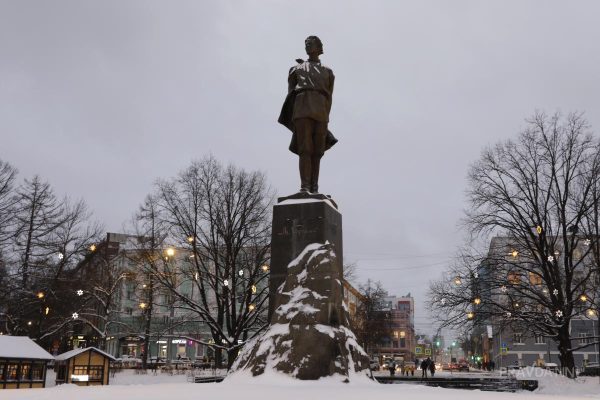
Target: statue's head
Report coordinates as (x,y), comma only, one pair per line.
(313,44)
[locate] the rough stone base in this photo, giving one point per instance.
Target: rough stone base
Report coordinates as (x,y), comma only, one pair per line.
(308,337)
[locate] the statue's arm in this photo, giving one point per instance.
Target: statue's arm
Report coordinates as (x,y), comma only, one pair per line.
(292,80)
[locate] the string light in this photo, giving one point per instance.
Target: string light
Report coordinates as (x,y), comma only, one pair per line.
(40,295)
(251,307)
(241,273)
(196,276)
(61,256)
(587,242)
(457,280)
(508,314)
(583,297)
(470,315)
(29,323)
(47,310)
(170,252)
(142,305)
(503,289)
(558,314)
(79,292)
(253,289)
(265,268)
(226,282)
(75,315)
(539,230)
(477,301)
(550,258)
(514,253)
(591,313)
(190,239)
(93,247)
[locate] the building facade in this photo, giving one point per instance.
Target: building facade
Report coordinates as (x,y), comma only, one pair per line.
(496,339)
(401,342)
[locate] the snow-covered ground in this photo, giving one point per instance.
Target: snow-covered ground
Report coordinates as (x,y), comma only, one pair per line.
(273,386)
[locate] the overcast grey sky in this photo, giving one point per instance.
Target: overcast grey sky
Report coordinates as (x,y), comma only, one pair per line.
(101,98)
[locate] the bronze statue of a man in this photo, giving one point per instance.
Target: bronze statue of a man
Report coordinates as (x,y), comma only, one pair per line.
(306,113)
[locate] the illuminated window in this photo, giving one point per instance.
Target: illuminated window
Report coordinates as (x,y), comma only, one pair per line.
(24,374)
(514,278)
(535,279)
(402,334)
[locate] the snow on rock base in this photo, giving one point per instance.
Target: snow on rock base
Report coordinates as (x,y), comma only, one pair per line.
(309,336)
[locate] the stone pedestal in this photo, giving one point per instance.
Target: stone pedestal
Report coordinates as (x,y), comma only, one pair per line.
(309,336)
(298,222)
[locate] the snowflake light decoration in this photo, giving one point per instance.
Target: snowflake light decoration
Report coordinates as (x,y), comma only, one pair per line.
(550,258)
(555,292)
(75,315)
(476,275)
(443,301)
(79,292)
(508,314)
(226,282)
(61,256)
(558,314)
(241,273)
(503,289)
(587,242)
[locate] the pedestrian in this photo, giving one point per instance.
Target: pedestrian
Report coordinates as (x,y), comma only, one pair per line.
(432,368)
(392,367)
(492,365)
(424,368)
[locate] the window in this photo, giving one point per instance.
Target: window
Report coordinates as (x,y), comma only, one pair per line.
(539,339)
(2,367)
(96,372)
(25,370)
(37,372)
(11,372)
(402,343)
(80,370)
(402,334)
(535,279)
(514,278)
(395,344)
(518,337)
(583,338)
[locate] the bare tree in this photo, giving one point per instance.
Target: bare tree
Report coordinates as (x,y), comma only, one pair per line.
(371,322)
(538,195)
(220,217)
(48,237)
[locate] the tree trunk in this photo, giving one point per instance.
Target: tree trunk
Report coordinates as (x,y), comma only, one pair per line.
(231,356)
(567,361)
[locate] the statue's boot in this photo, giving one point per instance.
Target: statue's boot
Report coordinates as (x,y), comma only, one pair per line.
(305,175)
(314,177)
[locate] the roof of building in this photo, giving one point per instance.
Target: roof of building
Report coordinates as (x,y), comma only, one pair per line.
(73,353)
(22,347)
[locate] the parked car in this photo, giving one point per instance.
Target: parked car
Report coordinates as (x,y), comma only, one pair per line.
(462,366)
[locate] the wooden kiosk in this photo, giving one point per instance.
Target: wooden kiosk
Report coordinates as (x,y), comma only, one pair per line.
(83,367)
(22,363)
